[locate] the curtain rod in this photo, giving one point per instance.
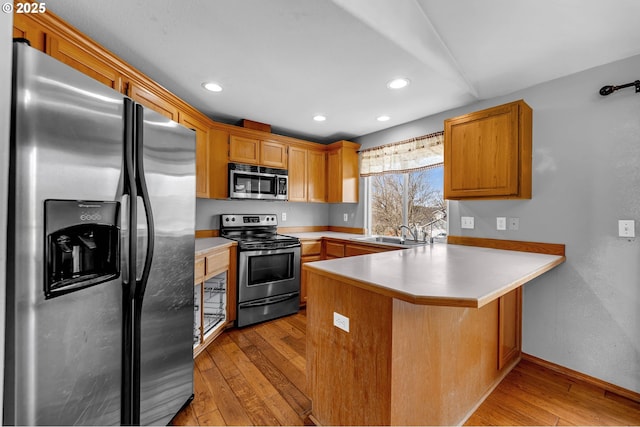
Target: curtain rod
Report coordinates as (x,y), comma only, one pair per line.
(608,90)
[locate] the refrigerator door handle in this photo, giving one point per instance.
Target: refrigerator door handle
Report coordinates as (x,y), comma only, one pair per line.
(141,186)
(129,281)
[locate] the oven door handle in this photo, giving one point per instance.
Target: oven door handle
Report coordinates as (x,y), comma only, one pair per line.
(265,249)
(270,300)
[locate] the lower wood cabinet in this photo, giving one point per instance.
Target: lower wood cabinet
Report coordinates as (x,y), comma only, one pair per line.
(214,295)
(510,327)
(311,250)
(327,248)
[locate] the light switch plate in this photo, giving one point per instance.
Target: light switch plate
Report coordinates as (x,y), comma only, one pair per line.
(467,222)
(626,228)
(345,217)
(501,223)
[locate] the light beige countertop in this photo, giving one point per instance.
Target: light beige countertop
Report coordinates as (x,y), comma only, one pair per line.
(314,235)
(440,274)
(205,244)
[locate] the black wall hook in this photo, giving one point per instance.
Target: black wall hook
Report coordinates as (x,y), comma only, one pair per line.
(608,90)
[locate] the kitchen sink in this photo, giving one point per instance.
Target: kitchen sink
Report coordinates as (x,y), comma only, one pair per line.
(389,239)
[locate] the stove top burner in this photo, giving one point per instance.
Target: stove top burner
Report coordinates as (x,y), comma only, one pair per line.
(255,232)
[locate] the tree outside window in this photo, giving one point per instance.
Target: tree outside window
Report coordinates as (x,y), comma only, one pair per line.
(414,199)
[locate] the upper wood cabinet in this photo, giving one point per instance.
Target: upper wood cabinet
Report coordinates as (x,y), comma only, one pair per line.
(307,175)
(84,61)
(25,28)
(342,172)
(151,100)
(316,176)
(244,150)
(273,154)
(202,152)
(487,154)
(255,151)
(218,163)
(298,173)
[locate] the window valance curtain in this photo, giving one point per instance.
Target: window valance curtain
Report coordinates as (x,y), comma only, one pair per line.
(420,153)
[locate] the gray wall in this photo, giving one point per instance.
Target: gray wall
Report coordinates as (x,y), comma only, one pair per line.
(6,31)
(584,315)
(298,214)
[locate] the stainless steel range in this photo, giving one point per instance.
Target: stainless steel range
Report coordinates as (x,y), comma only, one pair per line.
(268,267)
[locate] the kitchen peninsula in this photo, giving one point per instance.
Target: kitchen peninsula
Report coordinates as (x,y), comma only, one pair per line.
(414,337)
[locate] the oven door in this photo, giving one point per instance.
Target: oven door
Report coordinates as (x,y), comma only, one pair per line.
(268,273)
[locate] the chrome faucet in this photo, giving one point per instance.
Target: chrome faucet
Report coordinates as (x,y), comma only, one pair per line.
(410,232)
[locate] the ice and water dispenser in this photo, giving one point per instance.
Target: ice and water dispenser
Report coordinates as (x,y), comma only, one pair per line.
(82,244)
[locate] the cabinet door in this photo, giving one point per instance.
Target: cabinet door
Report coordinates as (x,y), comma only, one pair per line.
(316,176)
(244,150)
(342,173)
(153,101)
(202,153)
(334,177)
(298,174)
(510,329)
(25,28)
(218,164)
(199,270)
(84,61)
(273,154)
(304,279)
(488,154)
(333,249)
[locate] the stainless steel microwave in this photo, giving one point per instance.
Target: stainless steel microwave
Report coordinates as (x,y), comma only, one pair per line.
(257,182)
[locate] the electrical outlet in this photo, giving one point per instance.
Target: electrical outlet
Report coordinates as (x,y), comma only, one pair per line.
(467,222)
(284,216)
(514,224)
(626,228)
(501,223)
(340,321)
(346,217)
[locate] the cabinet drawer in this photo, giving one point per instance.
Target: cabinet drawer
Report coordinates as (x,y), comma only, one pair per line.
(217,262)
(311,247)
(199,270)
(335,250)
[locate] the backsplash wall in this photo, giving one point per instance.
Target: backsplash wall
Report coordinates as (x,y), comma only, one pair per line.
(208,212)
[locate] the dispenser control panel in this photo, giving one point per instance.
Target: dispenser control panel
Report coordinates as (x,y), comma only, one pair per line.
(82,244)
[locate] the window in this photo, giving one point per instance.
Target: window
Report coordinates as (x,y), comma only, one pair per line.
(404,186)
(410,198)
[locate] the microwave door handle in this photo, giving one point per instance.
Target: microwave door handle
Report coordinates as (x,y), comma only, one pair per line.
(269,175)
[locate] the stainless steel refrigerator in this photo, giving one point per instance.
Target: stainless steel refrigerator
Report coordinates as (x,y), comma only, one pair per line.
(101,254)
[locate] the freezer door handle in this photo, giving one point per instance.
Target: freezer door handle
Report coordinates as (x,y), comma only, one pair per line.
(129,281)
(141,185)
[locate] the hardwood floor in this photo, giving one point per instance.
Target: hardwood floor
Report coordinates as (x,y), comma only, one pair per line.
(256,376)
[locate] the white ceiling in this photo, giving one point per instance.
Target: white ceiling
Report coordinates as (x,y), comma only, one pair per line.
(283,61)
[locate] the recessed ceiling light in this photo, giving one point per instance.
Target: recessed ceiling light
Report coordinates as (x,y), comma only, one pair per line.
(319,118)
(398,83)
(383,118)
(213,87)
